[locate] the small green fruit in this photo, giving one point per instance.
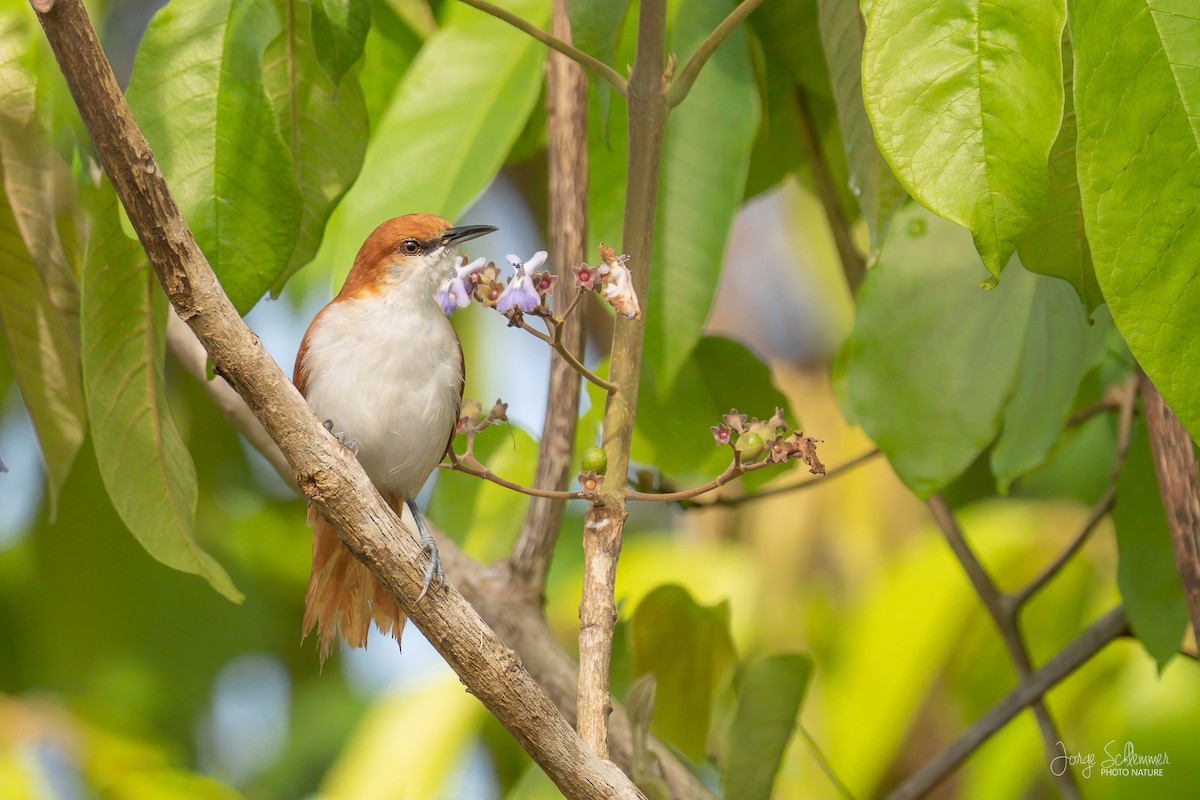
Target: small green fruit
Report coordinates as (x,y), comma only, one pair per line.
(750,446)
(595,459)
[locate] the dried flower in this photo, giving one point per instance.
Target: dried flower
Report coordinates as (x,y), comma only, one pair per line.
(499,413)
(610,259)
(720,433)
(618,291)
(806,451)
(455,292)
(489,292)
(778,424)
(585,277)
(590,482)
(468,414)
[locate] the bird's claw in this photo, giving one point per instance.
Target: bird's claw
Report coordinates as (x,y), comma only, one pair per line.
(434,576)
(349,444)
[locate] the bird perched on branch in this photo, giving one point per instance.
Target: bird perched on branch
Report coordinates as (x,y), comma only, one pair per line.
(383,368)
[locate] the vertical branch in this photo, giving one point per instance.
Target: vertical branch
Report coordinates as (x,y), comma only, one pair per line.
(605,520)
(1175,463)
(566,102)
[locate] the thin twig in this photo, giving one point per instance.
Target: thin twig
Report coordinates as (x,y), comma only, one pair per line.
(480,471)
(795,487)
(682,84)
(556,343)
(595,65)
(823,763)
(1029,691)
(853,264)
(1004,617)
(1099,510)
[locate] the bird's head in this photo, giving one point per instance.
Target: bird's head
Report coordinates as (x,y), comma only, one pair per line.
(409,254)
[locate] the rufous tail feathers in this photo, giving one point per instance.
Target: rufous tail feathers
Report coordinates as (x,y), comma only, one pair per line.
(343,596)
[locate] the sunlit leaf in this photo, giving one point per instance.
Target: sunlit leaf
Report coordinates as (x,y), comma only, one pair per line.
(1146,573)
(769,698)
(705,162)
(197,91)
(1057,244)
(688,649)
(451,123)
(144,462)
(877,191)
(168,784)
(324,124)
(1138,158)
(966,100)
(339,29)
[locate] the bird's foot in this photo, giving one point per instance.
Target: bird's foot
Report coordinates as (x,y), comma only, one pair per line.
(349,444)
(434,576)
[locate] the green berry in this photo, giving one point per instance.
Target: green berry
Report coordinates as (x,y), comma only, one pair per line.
(750,446)
(595,459)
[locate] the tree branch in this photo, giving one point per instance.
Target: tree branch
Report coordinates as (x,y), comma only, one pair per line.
(595,65)
(683,82)
(566,130)
(853,264)
(604,523)
(1175,464)
(325,471)
(1030,690)
(795,487)
(480,471)
(1004,616)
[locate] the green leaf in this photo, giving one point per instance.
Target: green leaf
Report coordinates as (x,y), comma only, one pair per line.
(456,114)
(167,784)
(324,125)
(197,91)
(144,462)
(772,690)
(705,161)
(934,360)
(1138,159)
(1146,573)
(787,32)
(1058,350)
(966,100)
(595,26)
(391,46)
(1057,244)
(38,294)
(872,183)
(339,29)
(688,649)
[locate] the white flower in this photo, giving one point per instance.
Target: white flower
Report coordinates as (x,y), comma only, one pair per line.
(453,294)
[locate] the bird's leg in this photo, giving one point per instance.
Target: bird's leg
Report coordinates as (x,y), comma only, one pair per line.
(349,444)
(433,573)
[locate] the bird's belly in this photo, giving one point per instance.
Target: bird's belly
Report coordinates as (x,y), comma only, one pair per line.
(398,403)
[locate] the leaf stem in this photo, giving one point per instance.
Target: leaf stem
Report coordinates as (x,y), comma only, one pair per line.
(556,342)
(595,65)
(682,84)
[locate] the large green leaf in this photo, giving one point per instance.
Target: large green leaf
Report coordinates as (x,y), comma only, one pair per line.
(705,161)
(1057,244)
(1146,573)
(339,29)
(144,462)
(1139,175)
(595,25)
(934,360)
(966,100)
(769,698)
(459,109)
(688,649)
(872,183)
(197,91)
(38,299)
(323,121)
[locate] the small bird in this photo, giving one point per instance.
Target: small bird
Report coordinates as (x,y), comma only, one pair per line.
(383,368)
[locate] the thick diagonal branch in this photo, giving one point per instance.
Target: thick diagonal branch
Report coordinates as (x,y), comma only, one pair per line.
(325,471)
(566,124)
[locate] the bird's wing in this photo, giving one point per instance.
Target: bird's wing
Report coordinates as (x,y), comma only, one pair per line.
(461,388)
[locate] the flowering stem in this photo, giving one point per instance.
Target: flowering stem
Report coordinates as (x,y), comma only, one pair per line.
(480,471)
(595,65)
(556,342)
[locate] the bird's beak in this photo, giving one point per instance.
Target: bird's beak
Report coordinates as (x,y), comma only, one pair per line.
(464,233)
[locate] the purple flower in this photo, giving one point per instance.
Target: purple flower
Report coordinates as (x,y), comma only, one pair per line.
(720,433)
(455,293)
(521,292)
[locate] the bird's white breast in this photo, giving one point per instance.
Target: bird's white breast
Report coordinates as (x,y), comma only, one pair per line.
(388,373)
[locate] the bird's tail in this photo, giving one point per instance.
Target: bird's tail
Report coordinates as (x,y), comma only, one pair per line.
(343,596)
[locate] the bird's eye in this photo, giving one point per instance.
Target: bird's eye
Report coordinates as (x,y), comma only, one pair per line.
(410,246)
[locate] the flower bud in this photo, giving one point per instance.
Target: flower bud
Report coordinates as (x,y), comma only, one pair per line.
(595,460)
(750,446)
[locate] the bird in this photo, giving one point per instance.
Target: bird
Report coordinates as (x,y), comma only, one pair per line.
(382,367)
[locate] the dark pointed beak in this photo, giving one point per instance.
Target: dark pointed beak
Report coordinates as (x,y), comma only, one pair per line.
(464,233)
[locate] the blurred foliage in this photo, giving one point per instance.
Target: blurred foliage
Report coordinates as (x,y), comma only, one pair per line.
(289,128)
